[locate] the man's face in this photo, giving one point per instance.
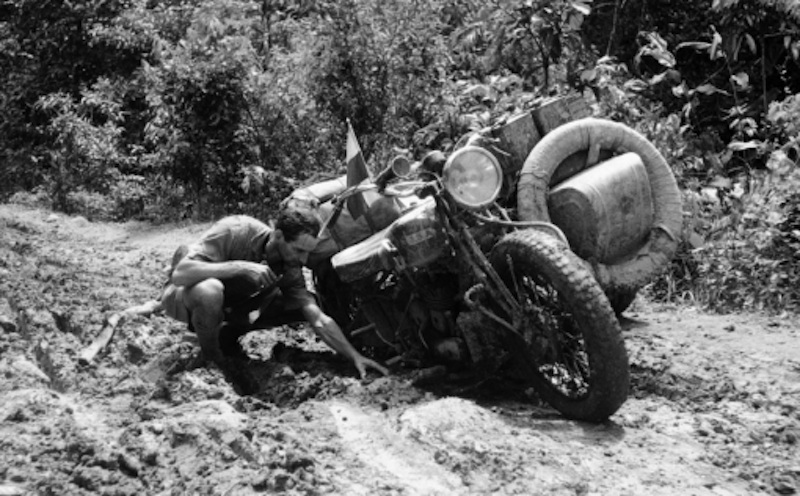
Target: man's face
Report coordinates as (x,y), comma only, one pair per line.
(300,248)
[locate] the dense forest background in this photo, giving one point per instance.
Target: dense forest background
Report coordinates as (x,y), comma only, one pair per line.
(175,109)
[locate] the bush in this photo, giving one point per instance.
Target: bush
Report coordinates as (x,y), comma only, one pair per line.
(741,250)
(383,66)
(740,244)
(85,158)
(92,205)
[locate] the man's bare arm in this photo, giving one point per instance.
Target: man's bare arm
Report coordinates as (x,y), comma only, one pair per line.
(189,272)
(328,330)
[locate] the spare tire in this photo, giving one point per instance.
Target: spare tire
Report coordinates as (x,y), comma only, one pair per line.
(596,137)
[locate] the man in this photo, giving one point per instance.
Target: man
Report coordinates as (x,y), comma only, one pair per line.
(243,275)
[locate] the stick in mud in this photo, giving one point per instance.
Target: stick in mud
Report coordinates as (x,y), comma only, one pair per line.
(107,333)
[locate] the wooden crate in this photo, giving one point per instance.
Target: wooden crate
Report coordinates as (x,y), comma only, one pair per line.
(516,138)
(559,110)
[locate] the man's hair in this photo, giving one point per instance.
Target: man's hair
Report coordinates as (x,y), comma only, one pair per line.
(294,220)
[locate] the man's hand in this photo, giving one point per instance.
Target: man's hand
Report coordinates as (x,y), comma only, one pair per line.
(362,363)
(327,329)
(259,275)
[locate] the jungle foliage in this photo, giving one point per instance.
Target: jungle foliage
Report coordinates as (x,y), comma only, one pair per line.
(119,109)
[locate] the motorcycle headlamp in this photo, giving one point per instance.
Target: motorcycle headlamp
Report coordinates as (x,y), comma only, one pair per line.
(473,177)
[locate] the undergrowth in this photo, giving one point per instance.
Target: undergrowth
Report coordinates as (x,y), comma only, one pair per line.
(741,245)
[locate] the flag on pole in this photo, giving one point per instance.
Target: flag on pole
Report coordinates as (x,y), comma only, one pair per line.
(356,172)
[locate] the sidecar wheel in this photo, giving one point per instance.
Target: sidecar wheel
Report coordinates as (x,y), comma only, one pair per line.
(600,137)
(569,344)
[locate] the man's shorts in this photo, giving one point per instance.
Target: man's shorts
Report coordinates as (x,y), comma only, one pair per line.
(277,310)
(174,306)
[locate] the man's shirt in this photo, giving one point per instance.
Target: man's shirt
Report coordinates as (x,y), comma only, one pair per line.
(241,237)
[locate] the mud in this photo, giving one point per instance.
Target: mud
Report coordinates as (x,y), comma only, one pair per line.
(713,407)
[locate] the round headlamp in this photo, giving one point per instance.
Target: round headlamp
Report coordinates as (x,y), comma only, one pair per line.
(473,177)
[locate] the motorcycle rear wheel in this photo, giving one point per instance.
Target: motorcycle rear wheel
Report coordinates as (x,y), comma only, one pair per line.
(569,346)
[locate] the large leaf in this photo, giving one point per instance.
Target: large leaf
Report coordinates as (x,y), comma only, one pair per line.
(738,146)
(658,49)
(708,89)
(582,7)
(741,80)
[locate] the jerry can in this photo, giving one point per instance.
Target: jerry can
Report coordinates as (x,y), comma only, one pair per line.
(605,211)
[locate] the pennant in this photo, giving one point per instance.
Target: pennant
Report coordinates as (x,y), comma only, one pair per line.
(356,173)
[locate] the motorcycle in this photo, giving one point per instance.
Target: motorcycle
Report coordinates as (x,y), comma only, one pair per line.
(447,275)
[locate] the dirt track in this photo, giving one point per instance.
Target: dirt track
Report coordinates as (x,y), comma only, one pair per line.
(713,410)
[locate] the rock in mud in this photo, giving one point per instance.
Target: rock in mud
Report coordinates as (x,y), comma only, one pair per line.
(12,490)
(8,318)
(28,368)
(784,485)
(34,323)
(54,359)
(129,464)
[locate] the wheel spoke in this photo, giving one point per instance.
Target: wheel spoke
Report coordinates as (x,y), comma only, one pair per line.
(551,333)
(513,272)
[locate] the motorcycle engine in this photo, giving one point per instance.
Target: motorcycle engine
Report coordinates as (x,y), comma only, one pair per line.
(436,301)
(414,315)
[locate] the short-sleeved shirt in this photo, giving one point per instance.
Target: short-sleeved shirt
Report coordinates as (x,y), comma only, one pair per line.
(241,237)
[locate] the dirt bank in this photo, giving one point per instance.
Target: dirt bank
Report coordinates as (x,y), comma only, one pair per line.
(713,410)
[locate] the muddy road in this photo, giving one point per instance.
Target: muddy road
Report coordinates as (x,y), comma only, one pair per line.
(713,407)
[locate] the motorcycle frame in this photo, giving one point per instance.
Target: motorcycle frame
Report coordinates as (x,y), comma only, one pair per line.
(489,280)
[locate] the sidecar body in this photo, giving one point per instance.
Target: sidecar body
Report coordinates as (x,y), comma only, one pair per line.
(604,184)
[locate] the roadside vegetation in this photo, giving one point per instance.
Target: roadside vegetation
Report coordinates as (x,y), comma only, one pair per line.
(190,109)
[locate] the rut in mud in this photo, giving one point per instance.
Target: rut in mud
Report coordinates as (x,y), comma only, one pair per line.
(713,407)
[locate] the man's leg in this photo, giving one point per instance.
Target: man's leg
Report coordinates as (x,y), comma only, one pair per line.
(204,301)
(275,315)
(173,304)
(201,306)
(229,335)
(278,313)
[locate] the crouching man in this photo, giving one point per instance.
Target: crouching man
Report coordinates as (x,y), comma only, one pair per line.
(243,275)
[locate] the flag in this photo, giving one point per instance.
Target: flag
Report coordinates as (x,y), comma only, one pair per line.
(356,172)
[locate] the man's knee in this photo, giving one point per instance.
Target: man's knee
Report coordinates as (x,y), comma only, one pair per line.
(208,295)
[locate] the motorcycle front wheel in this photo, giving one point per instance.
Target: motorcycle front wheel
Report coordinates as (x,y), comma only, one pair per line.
(568,343)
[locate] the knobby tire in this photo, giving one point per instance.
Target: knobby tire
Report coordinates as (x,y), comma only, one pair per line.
(581,304)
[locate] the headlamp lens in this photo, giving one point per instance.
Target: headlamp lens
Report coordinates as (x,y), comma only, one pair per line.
(473,177)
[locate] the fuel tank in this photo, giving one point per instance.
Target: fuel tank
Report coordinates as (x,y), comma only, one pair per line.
(415,239)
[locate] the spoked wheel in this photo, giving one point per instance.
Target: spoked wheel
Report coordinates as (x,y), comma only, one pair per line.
(567,341)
